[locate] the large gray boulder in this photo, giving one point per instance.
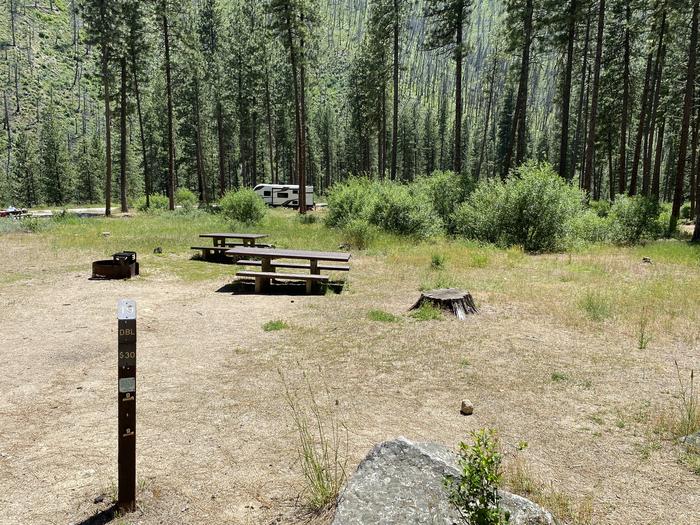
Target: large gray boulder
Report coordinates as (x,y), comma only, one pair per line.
(401,483)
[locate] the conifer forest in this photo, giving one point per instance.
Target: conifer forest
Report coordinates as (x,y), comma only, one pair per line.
(109,101)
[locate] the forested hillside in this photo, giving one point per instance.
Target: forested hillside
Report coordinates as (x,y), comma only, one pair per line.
(218,94)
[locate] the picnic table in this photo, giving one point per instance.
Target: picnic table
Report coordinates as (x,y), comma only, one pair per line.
(270,260)
(247,239)
(216,251)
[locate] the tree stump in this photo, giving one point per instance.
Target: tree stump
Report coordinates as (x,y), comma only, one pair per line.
(458,302)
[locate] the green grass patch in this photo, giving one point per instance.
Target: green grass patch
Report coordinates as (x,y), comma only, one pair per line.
(596,306)
(382,316)
(274,326)
(558,377)
(427,312)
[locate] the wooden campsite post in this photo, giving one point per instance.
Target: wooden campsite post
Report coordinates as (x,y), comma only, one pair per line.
(126,363)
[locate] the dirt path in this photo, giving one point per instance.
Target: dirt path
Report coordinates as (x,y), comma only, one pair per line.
(215,443)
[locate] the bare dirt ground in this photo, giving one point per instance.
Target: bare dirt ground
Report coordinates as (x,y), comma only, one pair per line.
(215,443)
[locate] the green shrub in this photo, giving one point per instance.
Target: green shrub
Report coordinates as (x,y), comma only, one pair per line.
(157,202)
(531,209)
(358,233)
(445,191)
(474,493)
(185,198)
(352,199)
(243,206)
(634,219)
(588,227)
(398,209)
(601,208)
(685,212)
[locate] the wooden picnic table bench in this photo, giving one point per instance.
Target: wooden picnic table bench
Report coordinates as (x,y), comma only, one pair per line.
(269,262)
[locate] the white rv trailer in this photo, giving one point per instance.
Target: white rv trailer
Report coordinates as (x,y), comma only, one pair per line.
(284,194)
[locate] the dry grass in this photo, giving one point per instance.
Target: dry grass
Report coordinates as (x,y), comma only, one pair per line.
(215,436)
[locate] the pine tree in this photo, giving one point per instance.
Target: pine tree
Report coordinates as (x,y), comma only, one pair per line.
(25,187)
(103,21)
(448,19)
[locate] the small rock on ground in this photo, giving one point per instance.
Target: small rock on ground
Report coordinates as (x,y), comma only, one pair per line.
(467,408)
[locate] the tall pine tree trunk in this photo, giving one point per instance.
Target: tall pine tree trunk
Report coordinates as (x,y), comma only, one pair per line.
(643,115)
(169,96)
(655,98)
(146,171)
(593,124)
(302,120)
(489,106)
(122,137)
(459,52)
(622,164)
(222,153)
(518,134)
(566,91)
(685,124)
(395,116)
(656,177)
(108,133)
(268,111)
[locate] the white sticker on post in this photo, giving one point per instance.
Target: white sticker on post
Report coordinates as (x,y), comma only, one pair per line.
(126,310)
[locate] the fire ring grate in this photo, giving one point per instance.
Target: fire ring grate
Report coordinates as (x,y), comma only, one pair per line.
(123,265)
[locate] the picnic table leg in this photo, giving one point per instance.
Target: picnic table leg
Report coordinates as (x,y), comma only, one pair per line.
(313,286)
(264,282)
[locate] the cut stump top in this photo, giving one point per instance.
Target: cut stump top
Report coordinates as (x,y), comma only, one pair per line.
(445,294)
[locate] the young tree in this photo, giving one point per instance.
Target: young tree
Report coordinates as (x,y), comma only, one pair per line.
(25,172)
(448,19)
(103,23)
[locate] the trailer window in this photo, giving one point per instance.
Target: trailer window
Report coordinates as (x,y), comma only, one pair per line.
(294,192)
(283,195)
(267,193)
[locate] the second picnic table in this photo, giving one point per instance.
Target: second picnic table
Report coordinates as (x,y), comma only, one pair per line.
(247,239)
(268,265)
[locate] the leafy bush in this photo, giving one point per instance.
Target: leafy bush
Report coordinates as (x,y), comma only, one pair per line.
(445,191)
(397,209)
(475,492)
(588,227)
(685,212)
(634,219)
(531,209)
(158,202)
(352,199)
(185,198)
(358,233)
(601,208)
(244,206)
